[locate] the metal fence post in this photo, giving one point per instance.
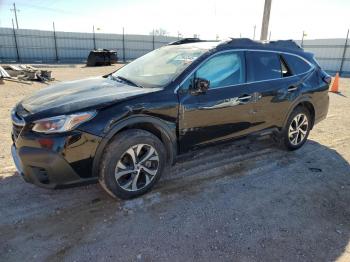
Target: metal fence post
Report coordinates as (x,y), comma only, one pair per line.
(55,41)
(15,38)
(302,40)
(93,36)
(123,46)
(344,53)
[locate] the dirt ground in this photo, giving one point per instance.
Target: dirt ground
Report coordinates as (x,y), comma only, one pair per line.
(245,201)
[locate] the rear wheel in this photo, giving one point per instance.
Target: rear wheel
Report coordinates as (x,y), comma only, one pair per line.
(297,129)
(132,163)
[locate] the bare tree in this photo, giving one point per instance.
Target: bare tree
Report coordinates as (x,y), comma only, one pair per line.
(159,32)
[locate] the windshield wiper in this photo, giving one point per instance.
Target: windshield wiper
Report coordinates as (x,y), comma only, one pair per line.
(125,80)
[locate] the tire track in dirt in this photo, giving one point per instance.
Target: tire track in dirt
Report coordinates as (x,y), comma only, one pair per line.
(208,164)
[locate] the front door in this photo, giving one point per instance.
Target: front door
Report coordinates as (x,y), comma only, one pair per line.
(224,110)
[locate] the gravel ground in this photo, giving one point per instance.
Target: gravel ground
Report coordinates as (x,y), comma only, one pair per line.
(244,201)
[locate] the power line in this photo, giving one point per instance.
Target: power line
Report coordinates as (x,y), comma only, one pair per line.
(44,8)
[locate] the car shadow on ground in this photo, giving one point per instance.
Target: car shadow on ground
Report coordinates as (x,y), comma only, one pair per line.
(247,201)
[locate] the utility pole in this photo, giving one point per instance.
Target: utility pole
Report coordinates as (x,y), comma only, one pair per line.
(15,10)
(15,38)
(254,32)
(266,19)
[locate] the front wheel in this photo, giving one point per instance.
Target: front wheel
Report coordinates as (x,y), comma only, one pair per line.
(132,163)
(297,129)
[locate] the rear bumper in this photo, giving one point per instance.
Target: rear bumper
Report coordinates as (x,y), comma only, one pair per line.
(320,118)
(45,168)
(321,108)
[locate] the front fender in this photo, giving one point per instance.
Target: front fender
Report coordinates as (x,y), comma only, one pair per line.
(167,130)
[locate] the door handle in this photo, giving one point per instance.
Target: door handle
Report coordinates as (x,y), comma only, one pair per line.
(244,99)
(292,88)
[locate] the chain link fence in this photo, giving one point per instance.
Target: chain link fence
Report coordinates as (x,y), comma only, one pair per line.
(332,54)
(37,46)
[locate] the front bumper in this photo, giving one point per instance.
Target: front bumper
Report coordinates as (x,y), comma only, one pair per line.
(55,161)
(45,168)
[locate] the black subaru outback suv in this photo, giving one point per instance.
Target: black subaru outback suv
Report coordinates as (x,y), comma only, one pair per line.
(124,128)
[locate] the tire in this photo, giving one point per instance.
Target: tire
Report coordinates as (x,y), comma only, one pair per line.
(293,137)
(132,155)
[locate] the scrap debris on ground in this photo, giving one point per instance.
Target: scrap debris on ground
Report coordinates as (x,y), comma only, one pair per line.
(24,73)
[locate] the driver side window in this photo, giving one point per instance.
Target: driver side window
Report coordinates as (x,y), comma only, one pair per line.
(223,70)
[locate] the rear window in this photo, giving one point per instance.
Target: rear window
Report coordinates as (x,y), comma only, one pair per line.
(263,66)
(296,64)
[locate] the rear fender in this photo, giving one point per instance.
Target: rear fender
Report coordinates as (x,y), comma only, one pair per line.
(295,104)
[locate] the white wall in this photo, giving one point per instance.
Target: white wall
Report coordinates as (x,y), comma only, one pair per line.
(39,46)
(329,53)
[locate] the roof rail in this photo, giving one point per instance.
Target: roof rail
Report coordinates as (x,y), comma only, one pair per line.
(285,43)
(186,41)
(289,44)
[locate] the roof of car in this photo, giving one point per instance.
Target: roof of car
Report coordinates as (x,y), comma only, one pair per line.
(248,43)
(241,43)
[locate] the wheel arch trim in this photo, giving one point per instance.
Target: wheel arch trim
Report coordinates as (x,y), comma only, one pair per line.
(168,135)
(301,100)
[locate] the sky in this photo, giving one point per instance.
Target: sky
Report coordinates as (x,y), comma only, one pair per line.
(206,18)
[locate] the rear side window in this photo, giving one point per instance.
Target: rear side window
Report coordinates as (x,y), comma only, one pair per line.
(263,66)
(296,64)
(285,69)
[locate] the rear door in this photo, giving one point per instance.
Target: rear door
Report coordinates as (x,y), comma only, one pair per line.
(275,85)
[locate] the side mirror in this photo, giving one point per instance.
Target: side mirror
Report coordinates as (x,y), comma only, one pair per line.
(201,85)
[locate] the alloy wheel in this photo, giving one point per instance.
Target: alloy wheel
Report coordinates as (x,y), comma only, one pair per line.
(298,129)
(137,167)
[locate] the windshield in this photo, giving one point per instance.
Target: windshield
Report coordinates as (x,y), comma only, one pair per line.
(159,67)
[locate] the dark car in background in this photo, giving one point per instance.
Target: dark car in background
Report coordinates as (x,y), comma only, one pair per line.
(124,128)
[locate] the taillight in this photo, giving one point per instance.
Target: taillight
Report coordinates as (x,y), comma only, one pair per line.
(327,79)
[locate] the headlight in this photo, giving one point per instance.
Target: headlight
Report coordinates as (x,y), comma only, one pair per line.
(63,123)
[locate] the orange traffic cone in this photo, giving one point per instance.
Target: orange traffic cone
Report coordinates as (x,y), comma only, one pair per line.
(335,85)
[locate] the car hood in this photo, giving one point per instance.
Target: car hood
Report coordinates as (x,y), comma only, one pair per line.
(72,96)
